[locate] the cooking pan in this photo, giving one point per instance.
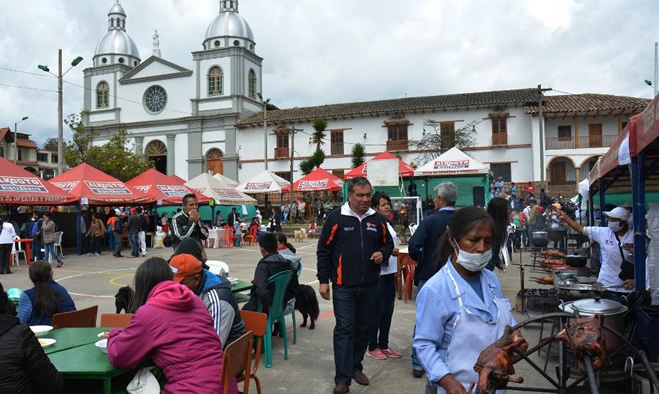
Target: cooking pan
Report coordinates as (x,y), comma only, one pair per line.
(576,260)
(556,235)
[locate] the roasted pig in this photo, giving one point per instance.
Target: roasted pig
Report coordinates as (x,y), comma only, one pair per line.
(584,337)
(545,280)
(553,253)
(495,364)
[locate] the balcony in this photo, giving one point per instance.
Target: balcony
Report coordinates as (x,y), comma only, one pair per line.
(603,141)
(394,145)
(281,153)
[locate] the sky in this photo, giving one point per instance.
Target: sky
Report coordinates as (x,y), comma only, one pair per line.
(332,51)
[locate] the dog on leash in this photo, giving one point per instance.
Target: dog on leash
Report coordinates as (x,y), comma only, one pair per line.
(300,235)
(307,303)
(123,299)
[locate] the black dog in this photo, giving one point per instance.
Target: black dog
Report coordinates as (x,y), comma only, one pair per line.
(307,303)
(123,299)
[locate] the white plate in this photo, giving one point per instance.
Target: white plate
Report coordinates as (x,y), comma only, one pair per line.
(45,342)
(233,280)
(41,331)
(100,334)
(102,345)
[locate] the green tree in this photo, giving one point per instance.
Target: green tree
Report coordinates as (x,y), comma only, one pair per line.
(438,138)
(318,137)
(358,153)
(314,161)
(50,144)
(116,157)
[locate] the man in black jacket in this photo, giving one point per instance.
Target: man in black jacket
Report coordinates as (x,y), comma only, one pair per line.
(353,244)
(133,226)
(423,244)
(187,223)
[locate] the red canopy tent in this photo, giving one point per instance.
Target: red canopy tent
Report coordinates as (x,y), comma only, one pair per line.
(98,188)
(316,180)
(404,169)
(20,187)
(162,187)
(177,179)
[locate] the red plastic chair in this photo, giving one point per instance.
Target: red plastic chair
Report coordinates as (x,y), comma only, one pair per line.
(408,266)
(251,237)
(228,236)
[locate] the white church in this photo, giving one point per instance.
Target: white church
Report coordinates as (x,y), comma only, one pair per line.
(224,129)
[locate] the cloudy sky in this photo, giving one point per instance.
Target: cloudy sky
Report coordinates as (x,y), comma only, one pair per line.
(329,51)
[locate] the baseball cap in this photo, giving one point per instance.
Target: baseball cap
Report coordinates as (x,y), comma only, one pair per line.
(618,213)
(184,265)
(556,205)
(133,210)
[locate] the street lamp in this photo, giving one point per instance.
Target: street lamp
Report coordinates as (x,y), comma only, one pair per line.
(60,115)
(265,128)
(16,138)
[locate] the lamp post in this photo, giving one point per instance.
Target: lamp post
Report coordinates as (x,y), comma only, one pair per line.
(265,128)
(16,138)
(60,115)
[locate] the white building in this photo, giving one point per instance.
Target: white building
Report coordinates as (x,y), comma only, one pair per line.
(577,129)
(186,120)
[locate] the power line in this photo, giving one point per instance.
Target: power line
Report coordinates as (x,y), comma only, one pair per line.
(560,91)
(27,88)
(27,72)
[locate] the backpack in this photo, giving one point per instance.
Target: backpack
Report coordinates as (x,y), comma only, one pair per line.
(118,226)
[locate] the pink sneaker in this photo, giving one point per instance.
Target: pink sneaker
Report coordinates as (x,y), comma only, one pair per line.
(391,353)
(377,354)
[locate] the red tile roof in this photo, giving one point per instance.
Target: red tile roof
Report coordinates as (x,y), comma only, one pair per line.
(6,133)
(589,104)
(27,143)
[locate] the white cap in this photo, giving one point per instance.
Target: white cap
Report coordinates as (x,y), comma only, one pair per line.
(618,213)
(627,204)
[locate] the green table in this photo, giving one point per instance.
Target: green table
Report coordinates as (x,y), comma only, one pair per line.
(76,356)
(240,285)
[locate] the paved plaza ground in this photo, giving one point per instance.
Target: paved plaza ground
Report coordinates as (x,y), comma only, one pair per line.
(310,367)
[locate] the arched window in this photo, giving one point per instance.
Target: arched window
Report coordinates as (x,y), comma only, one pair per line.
(214,161)
(215,81)
(252,84)
(102,93)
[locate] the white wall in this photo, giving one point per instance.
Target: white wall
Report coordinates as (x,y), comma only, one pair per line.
(181,159)
(609,125)
(179,91)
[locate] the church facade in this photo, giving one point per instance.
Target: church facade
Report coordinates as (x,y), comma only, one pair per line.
(186,119)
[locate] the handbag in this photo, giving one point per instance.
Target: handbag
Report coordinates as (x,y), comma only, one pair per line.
(626,268)
(144,382)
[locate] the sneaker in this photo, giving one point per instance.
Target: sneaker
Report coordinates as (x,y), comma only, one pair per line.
(391,353)
(97,254)
(59,265)
(417,372)
(89,254)
(377,354)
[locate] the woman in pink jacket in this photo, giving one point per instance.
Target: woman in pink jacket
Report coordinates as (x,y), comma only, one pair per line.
(173,328)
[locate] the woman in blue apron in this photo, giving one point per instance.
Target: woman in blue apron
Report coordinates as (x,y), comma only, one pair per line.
(461,309)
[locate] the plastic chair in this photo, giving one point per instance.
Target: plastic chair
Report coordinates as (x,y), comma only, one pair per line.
(251,237)
(255,322)
(413,227)
(16,250)
(228,236)
(119,320)
(276,313)
(58,243)
(218,267)
(292,313)
(237,358)
(82,318)
(408,266)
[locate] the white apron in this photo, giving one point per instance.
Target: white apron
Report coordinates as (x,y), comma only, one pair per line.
(474,335)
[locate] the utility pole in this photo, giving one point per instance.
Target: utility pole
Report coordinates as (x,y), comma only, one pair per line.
(541,124)
(60,118)
(292,158)
(656,68)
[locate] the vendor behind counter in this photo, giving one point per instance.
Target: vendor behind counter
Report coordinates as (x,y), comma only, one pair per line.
(616,243)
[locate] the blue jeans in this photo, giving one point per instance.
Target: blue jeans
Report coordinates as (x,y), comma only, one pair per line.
(134,243)
(382,313)
(111,240)
(416,364)
(50,248)
(36,249)
(352,310)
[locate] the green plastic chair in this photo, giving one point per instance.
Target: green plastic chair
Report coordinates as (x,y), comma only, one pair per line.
(276,314)
(299,271)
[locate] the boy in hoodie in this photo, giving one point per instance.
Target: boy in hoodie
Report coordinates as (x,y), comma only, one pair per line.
(216,294)
(271,263)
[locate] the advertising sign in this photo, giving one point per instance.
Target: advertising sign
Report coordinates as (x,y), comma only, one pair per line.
(107,187)
(21,185)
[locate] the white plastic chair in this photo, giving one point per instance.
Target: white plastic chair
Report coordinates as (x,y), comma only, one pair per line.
(218,267)
(16,250)
(58,243)
(412,229)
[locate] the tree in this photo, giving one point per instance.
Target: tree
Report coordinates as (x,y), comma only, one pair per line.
(115,158)
(318,137)
(50,144)
(441,138)
(357,155)
(314,161)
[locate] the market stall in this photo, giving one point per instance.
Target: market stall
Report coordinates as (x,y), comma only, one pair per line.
(317,180)
(163,189)
(20,187)
(95,188)
(263,182)
(226,180)
(471,177)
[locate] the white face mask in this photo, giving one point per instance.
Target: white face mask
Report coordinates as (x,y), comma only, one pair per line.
(473,262)
(615,226)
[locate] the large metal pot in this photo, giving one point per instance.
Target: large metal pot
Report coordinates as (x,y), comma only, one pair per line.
(539,239)
(576,260)
(556,235)
(613,312)
(559,270)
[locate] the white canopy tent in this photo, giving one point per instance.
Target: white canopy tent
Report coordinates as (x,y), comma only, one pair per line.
(264,182)
(222,193)
(226,180)
(452,162)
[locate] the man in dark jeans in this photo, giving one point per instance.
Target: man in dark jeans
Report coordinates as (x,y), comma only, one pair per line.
(353,244)
(133,226)
(423,244)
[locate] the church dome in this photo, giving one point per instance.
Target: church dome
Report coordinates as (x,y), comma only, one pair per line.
(116,43)
(229,24)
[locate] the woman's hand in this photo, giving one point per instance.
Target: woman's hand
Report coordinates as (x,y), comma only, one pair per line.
(451,385)
(394,252)
(629,284)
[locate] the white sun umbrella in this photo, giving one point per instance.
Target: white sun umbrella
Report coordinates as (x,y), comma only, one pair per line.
(222,193)
(226,180)
(264,182)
